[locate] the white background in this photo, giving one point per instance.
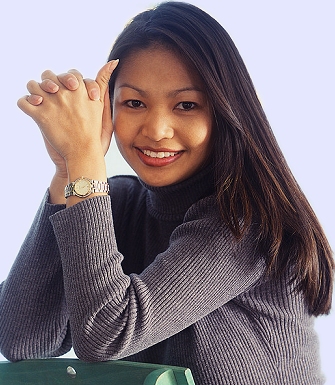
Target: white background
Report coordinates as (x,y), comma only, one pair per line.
(287,46)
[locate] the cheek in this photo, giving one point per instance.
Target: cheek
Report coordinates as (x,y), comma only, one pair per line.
(121,140)
(117,118)
(125,127)
(123,146)
(200,137)
(120,132)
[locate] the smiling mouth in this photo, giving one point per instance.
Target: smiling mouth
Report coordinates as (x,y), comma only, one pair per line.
(160,154)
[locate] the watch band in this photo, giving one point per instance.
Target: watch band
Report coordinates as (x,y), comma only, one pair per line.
(83,187)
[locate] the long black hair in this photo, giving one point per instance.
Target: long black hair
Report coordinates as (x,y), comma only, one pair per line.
(252,178)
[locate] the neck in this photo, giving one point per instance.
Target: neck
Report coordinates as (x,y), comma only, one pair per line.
(171,202)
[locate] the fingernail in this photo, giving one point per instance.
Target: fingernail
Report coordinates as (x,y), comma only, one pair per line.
(73,83)
(53,86)
(113,64)
(95,94)
(35,100)
(38,99)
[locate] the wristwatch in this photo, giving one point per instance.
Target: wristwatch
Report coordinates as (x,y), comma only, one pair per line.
(83,187)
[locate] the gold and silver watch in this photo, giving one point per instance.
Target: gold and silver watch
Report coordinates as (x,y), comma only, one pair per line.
(83,187)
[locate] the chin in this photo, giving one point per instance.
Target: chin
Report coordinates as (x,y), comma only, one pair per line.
(157,183)
(162,181)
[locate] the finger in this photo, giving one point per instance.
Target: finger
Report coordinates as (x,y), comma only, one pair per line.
(47,74)
(104,75)
(107,124)
(49,82)
(25,105)
(28,103)
(49,86)
(34,88)
(71,79)
(107,114)
(92,88)
(35,100)
(75,72)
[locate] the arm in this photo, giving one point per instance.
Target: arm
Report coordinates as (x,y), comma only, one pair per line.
(113,315)
(75,123)
(33,314)
(60,114)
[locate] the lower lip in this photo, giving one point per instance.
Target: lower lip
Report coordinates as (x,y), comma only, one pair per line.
(157,162)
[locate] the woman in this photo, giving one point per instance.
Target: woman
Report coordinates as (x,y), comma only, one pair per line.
(211,259)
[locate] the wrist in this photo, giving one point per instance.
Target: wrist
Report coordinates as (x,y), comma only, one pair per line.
(61,174)
(88,171)
(85,187)
(56,189)
(90,166)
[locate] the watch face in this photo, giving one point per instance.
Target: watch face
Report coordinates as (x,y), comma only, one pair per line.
(82,187)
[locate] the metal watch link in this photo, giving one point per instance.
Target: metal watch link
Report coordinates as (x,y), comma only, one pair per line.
(83,187)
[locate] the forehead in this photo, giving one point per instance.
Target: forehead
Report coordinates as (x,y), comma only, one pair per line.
(158,66)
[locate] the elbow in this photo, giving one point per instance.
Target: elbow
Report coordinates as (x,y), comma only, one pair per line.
(90,350)
(24,349)
(8,348)
(11,354)
(88,354)
(104,339)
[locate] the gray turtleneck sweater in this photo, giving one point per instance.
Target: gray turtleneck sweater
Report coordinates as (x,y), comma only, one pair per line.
(154,275)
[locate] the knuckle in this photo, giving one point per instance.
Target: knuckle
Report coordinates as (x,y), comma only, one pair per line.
(65,77)
(46,73)
(30,83)
(20,101)
(90,83)
(75,72)
(49,85)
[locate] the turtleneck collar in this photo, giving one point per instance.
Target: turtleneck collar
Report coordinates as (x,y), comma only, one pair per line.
(171,202)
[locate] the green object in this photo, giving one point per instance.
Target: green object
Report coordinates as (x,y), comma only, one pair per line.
(56,371)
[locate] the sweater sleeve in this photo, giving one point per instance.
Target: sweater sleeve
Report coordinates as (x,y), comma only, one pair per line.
(33,315)
(113,315)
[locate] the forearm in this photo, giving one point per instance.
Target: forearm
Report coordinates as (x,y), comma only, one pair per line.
(126,314)
(77,132)
(33,315)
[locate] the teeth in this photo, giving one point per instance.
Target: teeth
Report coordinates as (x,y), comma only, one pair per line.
(159,154)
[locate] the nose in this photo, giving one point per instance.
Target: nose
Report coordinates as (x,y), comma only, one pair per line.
(158,126)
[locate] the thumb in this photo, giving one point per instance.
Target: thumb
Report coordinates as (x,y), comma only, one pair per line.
(104,74)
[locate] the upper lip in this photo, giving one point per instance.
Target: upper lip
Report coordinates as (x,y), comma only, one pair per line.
(142,148)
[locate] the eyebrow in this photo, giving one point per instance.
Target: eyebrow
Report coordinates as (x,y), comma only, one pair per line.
(170,94)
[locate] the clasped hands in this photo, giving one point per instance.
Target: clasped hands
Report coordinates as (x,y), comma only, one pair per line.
(74,116)
(72,113)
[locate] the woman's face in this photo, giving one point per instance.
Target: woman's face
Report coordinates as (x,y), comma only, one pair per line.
(161,116)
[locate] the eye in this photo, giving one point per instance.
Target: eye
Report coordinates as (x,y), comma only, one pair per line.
(186,106)
(134,103)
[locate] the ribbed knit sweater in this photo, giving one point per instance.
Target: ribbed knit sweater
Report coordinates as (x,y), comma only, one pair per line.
(154,275)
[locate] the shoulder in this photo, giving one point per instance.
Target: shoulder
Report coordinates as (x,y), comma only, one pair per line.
(206,212)
(205,221)
(204,208)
